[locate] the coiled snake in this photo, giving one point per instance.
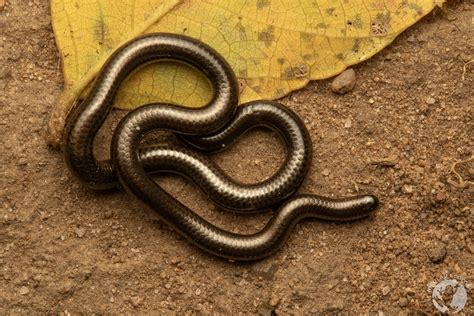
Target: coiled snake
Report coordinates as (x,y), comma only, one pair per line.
(210,128)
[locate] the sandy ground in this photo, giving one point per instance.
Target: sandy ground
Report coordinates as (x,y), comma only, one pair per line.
(65,249)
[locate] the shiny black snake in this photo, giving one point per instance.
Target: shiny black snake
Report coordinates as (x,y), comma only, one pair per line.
(210,128)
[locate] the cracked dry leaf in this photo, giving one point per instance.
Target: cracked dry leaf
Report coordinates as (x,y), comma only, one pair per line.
(274,46)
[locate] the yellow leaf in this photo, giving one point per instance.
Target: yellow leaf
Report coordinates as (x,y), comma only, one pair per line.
(274,46)
(87,32)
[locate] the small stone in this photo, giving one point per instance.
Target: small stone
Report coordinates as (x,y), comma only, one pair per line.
(457,268)
(24,290)
(80,232)
(65,288)
(440,197)
(348,123)
(422,38)
(294,98)
(274,300)
(437,253)
(410,291)
(265,270)
(403,302)
(336,304)
(407,188)
(466,58)
(345,82)
(411,39)
(326,172)
(430,100)
(22,162)
(385,290)
(198,292)
(470,247)
(136,301)
(174,261)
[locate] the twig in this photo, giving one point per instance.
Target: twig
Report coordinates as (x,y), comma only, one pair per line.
(464,69)
(461,184)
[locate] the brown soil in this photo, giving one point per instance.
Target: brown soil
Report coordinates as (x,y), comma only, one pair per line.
(65,249)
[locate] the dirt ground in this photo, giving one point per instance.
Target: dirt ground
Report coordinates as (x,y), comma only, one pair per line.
(65,249)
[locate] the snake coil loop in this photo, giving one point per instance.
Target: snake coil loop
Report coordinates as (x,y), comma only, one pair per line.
(211,128)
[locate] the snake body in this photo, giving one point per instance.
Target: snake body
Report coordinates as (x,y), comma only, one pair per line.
(221,188)
(210,128)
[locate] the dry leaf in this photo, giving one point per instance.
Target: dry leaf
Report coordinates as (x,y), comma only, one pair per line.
(273,46)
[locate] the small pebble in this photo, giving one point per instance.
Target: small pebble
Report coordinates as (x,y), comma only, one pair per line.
(326,172)
(440,197)
(136,301)
(437,253)
(385,290)
(457,269)
(411,39)
(348,123)
(80,232)
(345,82)
(430,100)
(403,302)
(410,291)
(274,300)
(24,290)
(422,38)
(470,247)
(22,162)
(465,57)
(407,188)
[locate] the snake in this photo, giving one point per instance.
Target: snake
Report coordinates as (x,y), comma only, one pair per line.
(213,127)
